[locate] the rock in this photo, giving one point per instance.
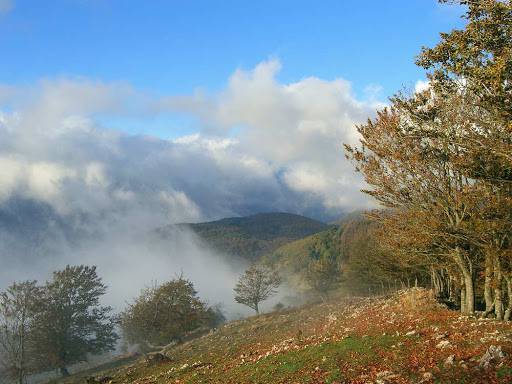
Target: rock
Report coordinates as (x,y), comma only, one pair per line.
(494,355)
(384,376)
(156,358)
(449,361)
(98,380)
(443,344)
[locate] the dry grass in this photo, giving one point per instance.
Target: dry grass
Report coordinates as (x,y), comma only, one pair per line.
(405,338)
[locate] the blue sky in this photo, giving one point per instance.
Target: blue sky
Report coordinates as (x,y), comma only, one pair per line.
(177,46)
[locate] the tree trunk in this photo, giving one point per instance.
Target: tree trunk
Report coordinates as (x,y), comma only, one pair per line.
(451,289)
(498,289)
(508,311)
(435,282)
(256,308)
(489,301)
(470,293)
(462,296)
(467,282)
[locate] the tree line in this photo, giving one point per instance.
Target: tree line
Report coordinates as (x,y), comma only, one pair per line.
(440,162)
(52,326)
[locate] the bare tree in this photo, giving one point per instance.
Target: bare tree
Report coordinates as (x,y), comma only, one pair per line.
(257,284)
(17,309)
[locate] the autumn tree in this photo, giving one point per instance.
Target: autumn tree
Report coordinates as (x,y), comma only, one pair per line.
(71,323)
(323,274)
(18,308)
(440,159)
(475,65)
(371,264)
(165,313)
(257,284)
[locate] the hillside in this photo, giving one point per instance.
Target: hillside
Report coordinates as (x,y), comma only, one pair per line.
(404,338)
(253,236)
(293,258)
(351,243)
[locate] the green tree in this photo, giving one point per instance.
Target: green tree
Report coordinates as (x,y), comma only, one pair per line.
(72,324)
(165,313)
(323,273)
(257,284)
(18,308)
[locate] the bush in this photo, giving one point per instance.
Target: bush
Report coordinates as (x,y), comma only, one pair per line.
(163,314)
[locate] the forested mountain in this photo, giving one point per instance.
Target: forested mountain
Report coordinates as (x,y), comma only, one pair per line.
(253,236)
(293,259)
(365,268)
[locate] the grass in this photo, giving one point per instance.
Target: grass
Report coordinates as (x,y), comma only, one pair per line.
(385,340)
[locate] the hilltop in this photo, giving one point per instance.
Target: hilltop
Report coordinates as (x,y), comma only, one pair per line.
(403,338)
(253,236)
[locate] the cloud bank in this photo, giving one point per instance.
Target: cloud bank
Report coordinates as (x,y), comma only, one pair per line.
(72,189)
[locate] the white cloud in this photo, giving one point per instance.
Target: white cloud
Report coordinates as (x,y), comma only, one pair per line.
(421,85)
(263,146)
(179,202)
(10,172)
(45,181)
(286,139)
(291,127)
(95,175)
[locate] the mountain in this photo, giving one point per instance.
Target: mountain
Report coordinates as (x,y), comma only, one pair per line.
(253,236)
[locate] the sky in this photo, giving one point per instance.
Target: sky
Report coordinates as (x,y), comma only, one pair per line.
(176,47)
(120,117)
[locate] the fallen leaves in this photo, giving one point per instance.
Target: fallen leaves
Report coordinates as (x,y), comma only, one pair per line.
(337,342)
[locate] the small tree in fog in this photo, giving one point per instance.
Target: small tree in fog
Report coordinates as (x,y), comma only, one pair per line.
(18,306)
(257,284)
(165,313)
(72,324)
(323,276)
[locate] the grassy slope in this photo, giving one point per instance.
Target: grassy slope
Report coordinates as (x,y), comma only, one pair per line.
(389,340)
(253,236)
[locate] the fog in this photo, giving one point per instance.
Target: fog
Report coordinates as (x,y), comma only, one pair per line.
(75,191)
(129,257)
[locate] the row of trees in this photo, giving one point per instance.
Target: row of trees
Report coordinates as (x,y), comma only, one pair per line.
(441,161)
(55,325)
(61,323)
(51,326)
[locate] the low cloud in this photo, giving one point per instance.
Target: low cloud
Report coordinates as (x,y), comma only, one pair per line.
(82,192)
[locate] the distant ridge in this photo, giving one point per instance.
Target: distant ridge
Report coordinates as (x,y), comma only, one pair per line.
(251,237)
